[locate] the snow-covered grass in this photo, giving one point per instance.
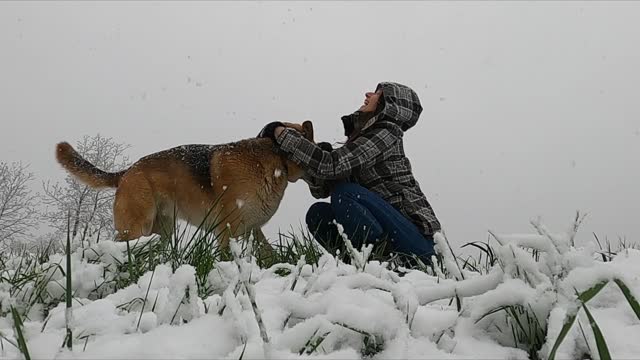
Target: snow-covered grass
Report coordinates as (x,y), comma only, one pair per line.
(523,296)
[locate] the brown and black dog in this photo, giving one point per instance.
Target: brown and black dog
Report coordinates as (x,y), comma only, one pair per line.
(239,185)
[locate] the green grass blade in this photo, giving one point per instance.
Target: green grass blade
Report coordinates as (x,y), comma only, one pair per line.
(584,336)
(22,344)
(603,350)
(591,292)
(178,308)
(145,299)
(568,322)
(490,312)
(68,294)
(630,298)
(130,262)
(243,349)
(458,303)
(2,337)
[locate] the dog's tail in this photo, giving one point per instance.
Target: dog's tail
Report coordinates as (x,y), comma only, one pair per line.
(83,170)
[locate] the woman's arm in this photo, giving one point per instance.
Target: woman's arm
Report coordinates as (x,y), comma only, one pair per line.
(320,189)
(341,162)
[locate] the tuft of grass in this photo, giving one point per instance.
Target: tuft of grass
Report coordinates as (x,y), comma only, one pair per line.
(608,252)
(527,331)
(291,247)
(177,247)
(245,278)
(27,281)
(486,259)
(371,343)
(583,298)
(571,318)
(313,343)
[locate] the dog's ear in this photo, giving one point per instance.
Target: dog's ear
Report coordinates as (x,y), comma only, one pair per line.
(307,128)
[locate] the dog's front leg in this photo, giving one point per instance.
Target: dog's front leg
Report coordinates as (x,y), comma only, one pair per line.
(265,251)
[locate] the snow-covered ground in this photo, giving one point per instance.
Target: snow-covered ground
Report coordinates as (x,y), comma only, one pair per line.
(332,309)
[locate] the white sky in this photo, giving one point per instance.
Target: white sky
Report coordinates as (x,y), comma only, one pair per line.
(530,108)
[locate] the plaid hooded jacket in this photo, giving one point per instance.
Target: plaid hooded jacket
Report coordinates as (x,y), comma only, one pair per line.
(374,159)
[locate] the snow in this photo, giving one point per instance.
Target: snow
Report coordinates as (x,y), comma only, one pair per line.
(468,287)
(442,247)
(239,203)
(533,241)
(328,310)
(148,321)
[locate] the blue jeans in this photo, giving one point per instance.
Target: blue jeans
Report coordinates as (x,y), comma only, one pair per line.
(366,218)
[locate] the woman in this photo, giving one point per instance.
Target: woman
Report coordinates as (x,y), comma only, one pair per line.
(374,195)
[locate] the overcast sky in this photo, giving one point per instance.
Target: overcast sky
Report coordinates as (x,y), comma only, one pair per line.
(530,108)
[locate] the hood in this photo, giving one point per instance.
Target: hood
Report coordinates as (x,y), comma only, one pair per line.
(401,105)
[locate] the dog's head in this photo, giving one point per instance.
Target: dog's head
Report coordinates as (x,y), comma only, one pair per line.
(294,171)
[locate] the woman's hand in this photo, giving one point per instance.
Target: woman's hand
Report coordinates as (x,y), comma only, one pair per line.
(278,131)
(272,130)
(325,146)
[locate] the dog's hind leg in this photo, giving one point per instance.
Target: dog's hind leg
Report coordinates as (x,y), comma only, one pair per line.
(261,247)
(134,209)
(164,225)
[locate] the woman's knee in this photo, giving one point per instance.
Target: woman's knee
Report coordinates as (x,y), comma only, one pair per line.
(318,213)
(345,192)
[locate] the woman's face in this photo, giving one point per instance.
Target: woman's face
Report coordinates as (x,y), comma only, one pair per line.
(371,101)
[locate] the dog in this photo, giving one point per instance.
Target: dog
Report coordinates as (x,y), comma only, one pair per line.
(232,189)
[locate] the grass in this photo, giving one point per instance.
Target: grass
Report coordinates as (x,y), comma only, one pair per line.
(312,345)
(529,330)
(526,329)
(484,261)
(28,274)
(582,299)
(608,251)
